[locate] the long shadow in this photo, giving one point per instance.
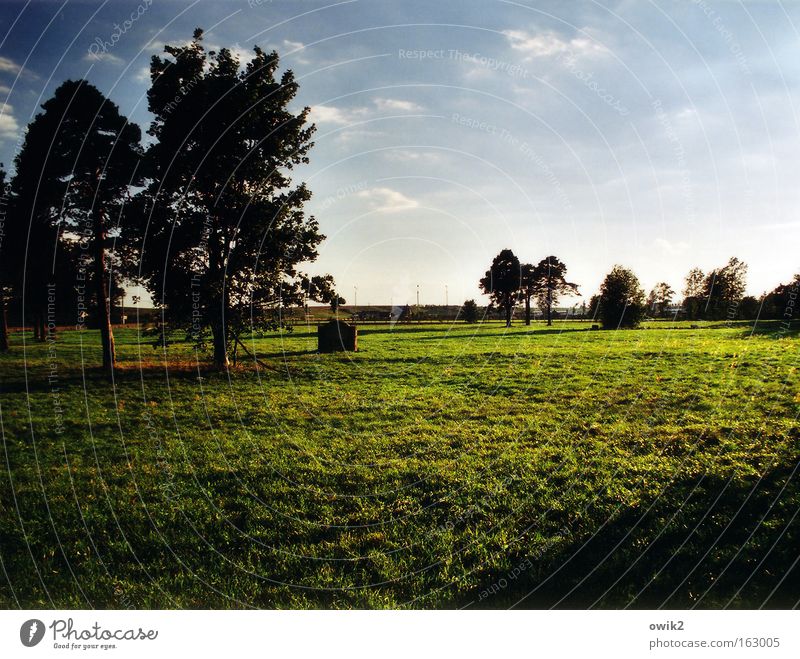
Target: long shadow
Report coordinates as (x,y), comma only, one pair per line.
(774,329)
(512,333)
(708,542)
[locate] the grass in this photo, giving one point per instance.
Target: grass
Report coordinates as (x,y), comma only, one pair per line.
(440,466)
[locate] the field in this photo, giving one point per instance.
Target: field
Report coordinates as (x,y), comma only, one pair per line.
(440,466)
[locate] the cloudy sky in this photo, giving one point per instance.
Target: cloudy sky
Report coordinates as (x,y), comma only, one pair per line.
(658,135)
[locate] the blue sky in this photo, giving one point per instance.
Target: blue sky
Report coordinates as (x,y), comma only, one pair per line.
(659,135)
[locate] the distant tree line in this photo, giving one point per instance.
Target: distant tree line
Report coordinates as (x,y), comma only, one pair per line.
(205,217)
(621,301)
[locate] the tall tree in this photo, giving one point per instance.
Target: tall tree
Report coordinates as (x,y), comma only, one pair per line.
(723,290)
(527,288)
(660,298)
(621,301)
(5,272)
(550,284)
(502,282)
(95,151)
(35,206)
(693,293)
(226,232)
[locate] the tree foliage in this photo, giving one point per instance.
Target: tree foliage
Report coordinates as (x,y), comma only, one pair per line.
(781,303)
(723,290)
(469,311)
(693,293)
(660,298)
(549,277)
(502,282)
(226,232)
(621,302)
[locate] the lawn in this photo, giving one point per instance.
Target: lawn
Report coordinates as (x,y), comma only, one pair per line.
(440,466)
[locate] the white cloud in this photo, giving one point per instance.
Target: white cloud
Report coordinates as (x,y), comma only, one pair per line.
(293,45)
(395,105)
(9,128)
(8,65)
(549,44)
(416,155)
(158,45)
(329,114)
(4,89)
(142,75)
(102,57)
(386,200)
(671,248)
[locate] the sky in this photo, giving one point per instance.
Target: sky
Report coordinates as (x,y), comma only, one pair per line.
(657,135)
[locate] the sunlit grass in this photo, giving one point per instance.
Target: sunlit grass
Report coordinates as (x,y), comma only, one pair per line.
(440,466)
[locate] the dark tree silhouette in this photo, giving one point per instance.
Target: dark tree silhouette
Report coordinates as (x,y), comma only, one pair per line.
(469,311)
(782,301)
(6,275)
(226,231)
(527,288)
(502,282)
(96,152)
(723,290)
(621,300)
(336,302)
(71,176)
(550,284)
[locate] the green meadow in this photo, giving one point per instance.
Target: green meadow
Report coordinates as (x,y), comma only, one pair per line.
(440,466)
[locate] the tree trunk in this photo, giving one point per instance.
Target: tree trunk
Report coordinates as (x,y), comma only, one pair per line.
(527,310)
(220,345)
(508,315)
(549,308)
(102,294)
(4,347)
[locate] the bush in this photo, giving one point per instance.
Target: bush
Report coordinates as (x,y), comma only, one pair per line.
(622,301)
(469,312)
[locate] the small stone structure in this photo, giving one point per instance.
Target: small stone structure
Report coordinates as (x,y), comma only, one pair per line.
(336,335)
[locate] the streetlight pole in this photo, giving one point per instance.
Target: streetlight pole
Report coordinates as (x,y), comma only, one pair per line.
(355,299)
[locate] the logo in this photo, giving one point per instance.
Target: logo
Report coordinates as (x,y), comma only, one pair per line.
(31,632)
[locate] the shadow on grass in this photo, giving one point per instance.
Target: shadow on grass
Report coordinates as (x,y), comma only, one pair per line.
(775,329)
(706,543)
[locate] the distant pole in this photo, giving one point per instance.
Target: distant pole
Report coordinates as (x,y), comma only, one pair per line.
(446,297)
(417,294)
(355,299)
